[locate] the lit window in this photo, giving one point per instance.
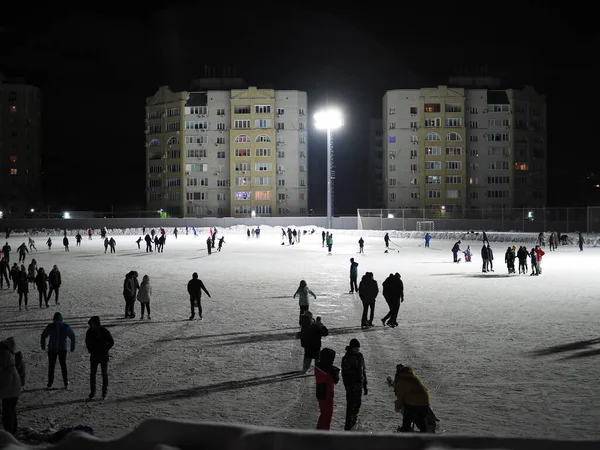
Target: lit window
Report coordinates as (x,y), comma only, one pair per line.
(13,158)
(13,171)
(13,108)
(521,166)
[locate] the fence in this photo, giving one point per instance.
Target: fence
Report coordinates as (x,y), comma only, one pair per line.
(529,220)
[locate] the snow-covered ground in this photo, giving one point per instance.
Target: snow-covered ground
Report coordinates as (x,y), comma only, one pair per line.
(472,337)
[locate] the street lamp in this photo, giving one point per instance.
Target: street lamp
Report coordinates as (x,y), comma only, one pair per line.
(329,120)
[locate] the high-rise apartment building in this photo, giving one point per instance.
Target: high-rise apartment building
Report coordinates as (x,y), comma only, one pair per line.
(454,149)
(236,152)
(375,165)
(20,147)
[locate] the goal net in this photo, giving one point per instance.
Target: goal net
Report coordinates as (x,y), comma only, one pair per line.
(425,225)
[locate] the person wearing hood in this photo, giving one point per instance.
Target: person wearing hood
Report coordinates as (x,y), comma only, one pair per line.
(412,398)
(98,342)
(368,291)
(310,335)
(354,375)
(58,332)
(10,385)
(326,377)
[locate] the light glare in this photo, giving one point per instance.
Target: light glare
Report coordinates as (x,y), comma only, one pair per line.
(329,119)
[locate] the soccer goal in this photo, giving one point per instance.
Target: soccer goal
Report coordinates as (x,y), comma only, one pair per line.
(425,225)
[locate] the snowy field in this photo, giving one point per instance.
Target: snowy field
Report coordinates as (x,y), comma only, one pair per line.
(482,343)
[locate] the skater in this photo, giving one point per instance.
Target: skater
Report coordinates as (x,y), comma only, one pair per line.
(468,254)
(144,295)
(551,242)
(484,238)
(187,230)
(323,236)
(129,295)
(90,232)
(509,259)
(214,236)
(484,258)
(148,240)
(105,245)
(58,332)
(534,269)
(330,243)
(455,250)
(302,292)
(195,287)
(310,335)
(221,242)
(290,236)
(41,283)
(368,291)
(209,245)
(7,232)
(490,254)
(393,293)
(138,242)
(78,240)
(354,376)
(353,276)
(10,385)
(361,246)
(49,243)
(248,232)
(23,287)
(6,249)
(540,253)
(4,273)
(32,271)
(283,235)
(66,243)
(427,239)
(98,342)
(326,377)
(112,243)
(22,250)
(14,276)
(522,256)
(412,399)
(580,241)
(195,231)
(386,239)
(32,244)
(54,282)
(175,232)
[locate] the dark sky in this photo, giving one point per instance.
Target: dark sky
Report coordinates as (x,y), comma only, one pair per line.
(95,70)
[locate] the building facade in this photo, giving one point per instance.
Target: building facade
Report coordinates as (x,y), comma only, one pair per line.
(20,147)
(454,149)
(227,153)
(375,165)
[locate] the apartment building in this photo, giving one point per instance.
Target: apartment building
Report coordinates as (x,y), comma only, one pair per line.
(453,149)
(236,152)
(20,147)
(375,165)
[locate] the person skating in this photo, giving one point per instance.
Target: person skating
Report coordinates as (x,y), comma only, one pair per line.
(455,250)
(412,399)
(533,255)
(148,240)
(540,253)
(195,287)
(90,232)
(468,254)
(323,236)
(54,282)
(58,332)
(398,299)
(221,242)
(98,342)
(522,256)
(326,377)
(490,253)
(484,258)
(330,242)
(368,291)
(78,239)
(361,246)
(354,376)
(509,259)
(23,287)
(112,244)
(4,273)
(144,295)
(248,232)
(214,237)
(32,271)
(393,293)
(580,241)
(41,283)
(49,243)
(6,249)
(32,244)
(66,243)
(484,238)
(209,245)
(22,250)
(105,245)
(138,243)
(310,335)
(386,240)
(302,292)
(353,276)
(427,239)
(10,385)
(129,294)
(175,232)
(14,276)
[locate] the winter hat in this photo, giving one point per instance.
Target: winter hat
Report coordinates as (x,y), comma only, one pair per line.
(94,319)
(354,343)
(57,316)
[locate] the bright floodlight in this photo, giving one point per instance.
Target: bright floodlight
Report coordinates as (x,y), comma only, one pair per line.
(253,214)
(329,119)
(390,216)
(66,215)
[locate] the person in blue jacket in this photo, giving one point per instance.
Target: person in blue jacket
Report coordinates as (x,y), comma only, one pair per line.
(427,239)
(58,332)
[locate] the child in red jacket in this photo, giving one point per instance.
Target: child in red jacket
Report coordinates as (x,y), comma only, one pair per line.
(326,376)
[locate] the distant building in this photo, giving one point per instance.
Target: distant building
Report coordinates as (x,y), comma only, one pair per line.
(224,150)
(457,149)
(375,165)
(20,147)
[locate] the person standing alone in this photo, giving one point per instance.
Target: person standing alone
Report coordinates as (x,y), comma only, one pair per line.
(195,287)
(354,375)
(353,276)
(98,341)
(58,332)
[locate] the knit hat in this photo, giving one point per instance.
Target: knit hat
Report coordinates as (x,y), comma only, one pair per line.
(354,343)
(94,319)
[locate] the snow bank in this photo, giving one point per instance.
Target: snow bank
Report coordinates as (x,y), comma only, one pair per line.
(156,434)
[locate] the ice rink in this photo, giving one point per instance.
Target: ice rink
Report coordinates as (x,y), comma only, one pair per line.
(482,343)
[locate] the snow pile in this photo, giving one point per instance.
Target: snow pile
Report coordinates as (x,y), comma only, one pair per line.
(164,434)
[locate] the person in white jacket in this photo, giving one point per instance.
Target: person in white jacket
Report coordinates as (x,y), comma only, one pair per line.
(302,292)
(144,294)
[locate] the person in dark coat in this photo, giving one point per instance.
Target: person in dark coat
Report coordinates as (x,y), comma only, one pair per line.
(393,292)
(368,291)
(326,377)
(195,287)
(323,235)
(14,276)
(66,243)
(580,241)
(22,249)
(354,375)
(4,273)
(455,250)
(98,341)
(522,254)
(386,240)
(23,287)
(484,258)
(484,238)
(353,276)
(148,240)
(41,283)
(509,259)
(129,295)
(112,244)
(6,249)
(54,282)
(209,245)
(10,385)
(58,332)
(490,257)
(78,239)
(310,335)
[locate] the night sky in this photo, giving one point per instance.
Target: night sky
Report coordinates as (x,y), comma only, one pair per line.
(96,69)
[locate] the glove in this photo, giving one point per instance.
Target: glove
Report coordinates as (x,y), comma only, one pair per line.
(366,391)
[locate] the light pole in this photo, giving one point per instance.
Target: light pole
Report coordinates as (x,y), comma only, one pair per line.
(329,120)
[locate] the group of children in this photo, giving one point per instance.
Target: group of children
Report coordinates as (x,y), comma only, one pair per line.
(535,254)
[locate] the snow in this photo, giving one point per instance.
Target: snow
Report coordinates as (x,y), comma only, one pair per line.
(472,337)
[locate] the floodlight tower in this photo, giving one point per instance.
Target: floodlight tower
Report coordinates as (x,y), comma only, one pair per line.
(329,120)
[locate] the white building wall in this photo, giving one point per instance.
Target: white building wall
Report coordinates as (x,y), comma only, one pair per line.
(292,153)
(476,146)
